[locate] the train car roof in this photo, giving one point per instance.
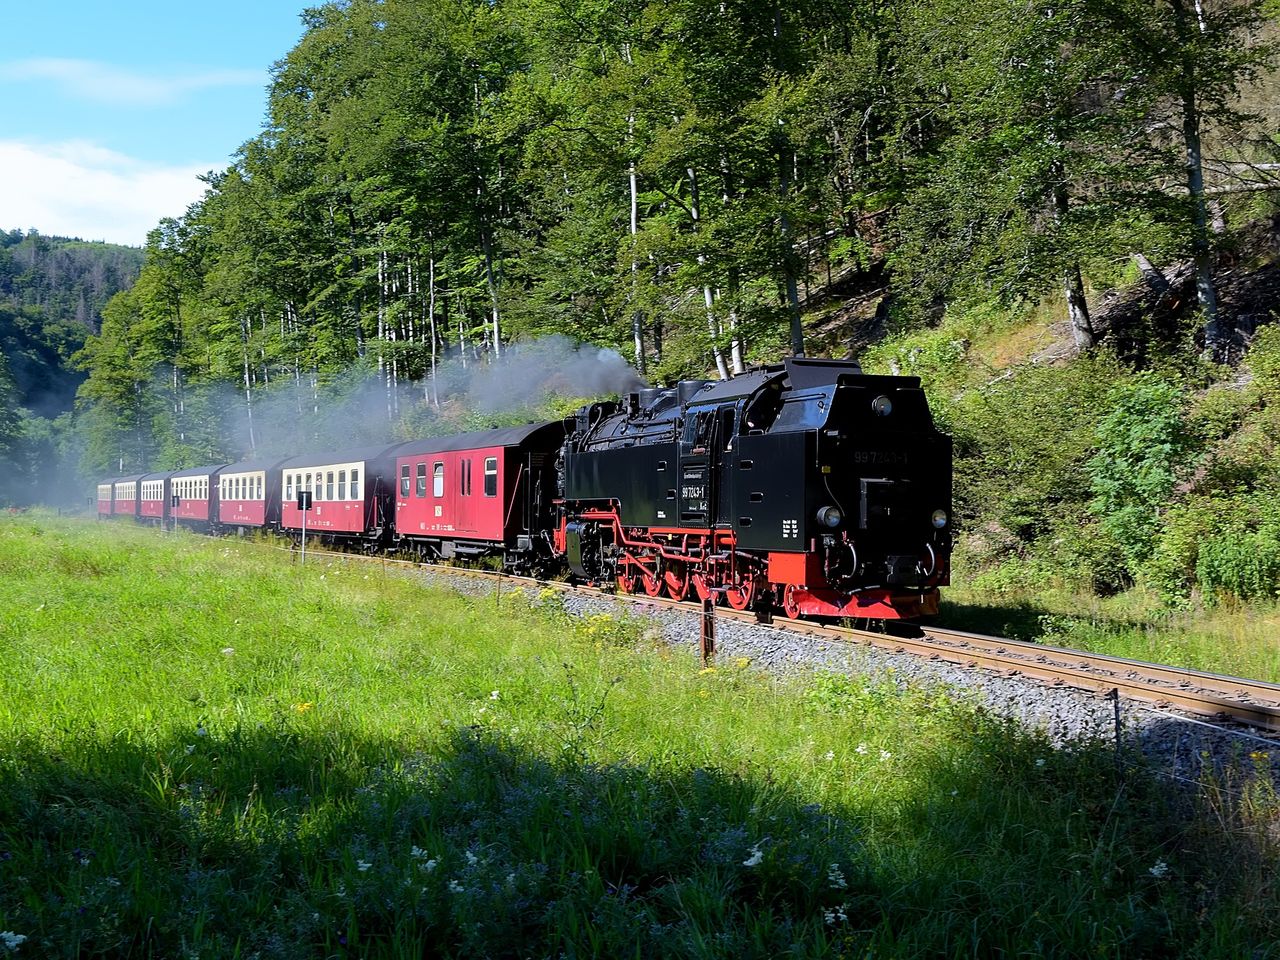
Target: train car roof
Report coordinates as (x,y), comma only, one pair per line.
(163,475)
(502,437)
(198,471)
(250,466)
(324,458)
(743,385)
(129,479)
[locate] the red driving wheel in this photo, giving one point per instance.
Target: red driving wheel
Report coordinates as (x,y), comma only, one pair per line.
(740,595)
(790,603)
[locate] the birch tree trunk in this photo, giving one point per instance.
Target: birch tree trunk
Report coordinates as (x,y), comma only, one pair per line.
(708,296)
(1215,336)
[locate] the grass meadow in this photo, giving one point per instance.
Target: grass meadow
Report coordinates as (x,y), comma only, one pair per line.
(207,751)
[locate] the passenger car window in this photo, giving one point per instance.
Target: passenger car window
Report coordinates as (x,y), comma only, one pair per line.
(404,480)
(328,490)
(491,476)
(342,484)
(437,479)
(355,484)
(420,482)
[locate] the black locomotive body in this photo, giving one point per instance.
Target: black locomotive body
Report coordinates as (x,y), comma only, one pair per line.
(806,486)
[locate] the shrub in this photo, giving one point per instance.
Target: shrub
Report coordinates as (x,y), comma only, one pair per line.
(1240,563)
(1144,449)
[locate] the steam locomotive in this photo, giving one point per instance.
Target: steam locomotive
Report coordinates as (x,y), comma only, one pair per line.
(805,487)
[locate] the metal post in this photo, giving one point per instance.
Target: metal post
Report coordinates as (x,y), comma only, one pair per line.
(707,644)
(304,539)
(1114,697)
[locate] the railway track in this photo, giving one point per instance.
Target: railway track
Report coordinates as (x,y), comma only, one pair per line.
(1253,703)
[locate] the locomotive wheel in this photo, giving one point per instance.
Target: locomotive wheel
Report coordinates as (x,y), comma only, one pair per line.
(676,579)
(790,605)
(740,595)
(627,580)
(700,587)
(652,583)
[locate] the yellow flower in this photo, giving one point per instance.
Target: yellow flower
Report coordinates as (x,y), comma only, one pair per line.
(705,670)
(303,707)
(742,662)
(704,694)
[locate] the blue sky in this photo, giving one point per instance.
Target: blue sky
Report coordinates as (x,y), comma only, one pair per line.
(109,111)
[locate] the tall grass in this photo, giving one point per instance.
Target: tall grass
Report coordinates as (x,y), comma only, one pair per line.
(208,751)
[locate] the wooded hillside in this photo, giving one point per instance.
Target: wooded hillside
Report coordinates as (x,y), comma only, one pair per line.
(684,180)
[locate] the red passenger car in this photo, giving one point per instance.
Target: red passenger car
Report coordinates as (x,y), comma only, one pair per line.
(124,499)
(105,498)
(197,490)
(477,493)
(153,498)
(350,493)
(249,494)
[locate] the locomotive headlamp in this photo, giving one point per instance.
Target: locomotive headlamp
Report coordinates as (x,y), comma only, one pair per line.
(830,517)
(882,406)
(939,519)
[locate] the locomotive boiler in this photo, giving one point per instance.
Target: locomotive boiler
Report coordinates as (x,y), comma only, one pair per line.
(807,487)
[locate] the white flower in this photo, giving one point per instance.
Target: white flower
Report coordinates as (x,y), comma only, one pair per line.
(472,858)
(1159,869)
(455,886)
(429,865)
(363,865)
(494,695)
(112,882)
(417,853)
(1040,762)
(861,748)
(755,859)
(12,940)
(885,755)
(830,755)
(191,748)
(228,651)
(955,793)
(834,915)
(201,731)
(835,878)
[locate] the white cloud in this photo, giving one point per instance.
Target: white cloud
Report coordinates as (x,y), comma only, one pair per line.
(105,83)
(78,189)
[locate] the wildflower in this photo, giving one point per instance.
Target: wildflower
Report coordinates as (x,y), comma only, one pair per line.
(11,940)
(885,755)
(1259,755)
(494,695)
(228,651)
(705,670)
(363,865)
(1159,869)
(835,915)
(455,887)
(742,662)
(201,731)
(191,748)
(861,749)
(955,793)
(472,858)
(303,707)
(835,878)
(755,859)
(112,882)
(1040,762)
(830,755)
(417,853)
(704,694)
